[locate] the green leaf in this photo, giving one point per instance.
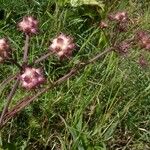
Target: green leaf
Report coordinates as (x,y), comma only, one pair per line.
(62,2)
(76,3)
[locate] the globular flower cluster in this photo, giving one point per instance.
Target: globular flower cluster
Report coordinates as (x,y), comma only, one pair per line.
(122,47)
(121,18)
(62,46)
(4,49)
(28,25)
(31,77)
(142,62)
(144,39)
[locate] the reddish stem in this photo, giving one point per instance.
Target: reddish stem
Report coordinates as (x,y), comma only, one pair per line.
(26,49)
(27,100)
(9,98)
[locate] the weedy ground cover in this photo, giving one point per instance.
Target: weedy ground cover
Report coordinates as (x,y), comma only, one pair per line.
(93,90)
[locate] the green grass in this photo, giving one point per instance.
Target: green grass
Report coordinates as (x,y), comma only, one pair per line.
(106,106)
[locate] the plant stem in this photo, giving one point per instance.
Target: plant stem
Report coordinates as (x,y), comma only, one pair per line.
(27,100)
(99,55)
(9,98)
(26,49)
(12,92)
(6,81)
(42,58)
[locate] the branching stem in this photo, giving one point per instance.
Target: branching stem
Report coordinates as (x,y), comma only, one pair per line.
(15,86)
(28,99)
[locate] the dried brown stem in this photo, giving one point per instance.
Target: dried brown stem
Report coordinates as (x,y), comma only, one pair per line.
(27,100)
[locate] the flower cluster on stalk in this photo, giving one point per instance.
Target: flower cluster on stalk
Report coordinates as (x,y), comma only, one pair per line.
(31,77)
(143,38)
(119,16)
(4,49)
(28,25)
(63,46)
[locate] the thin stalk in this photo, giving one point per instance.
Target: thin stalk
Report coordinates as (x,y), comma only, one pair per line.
(26,49)
(42,58)
(28,99)
(9,98)
(99,55)
(12,92)
(6,81)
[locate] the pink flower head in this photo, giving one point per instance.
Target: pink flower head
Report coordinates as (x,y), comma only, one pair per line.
(31,78)
(28,25)
(123,47)
(62,46)
(142,62)
(119,16)
(4,49)
(144,39)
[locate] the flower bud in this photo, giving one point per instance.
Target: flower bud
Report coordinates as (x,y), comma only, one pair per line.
(28,25)
(103,25)
(142,62)
(62,46)
(144,39)
(122,47)
(119,16)
(4,49)
(122,27)
(31,78)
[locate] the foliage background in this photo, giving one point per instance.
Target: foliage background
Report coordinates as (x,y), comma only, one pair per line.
(106,106)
